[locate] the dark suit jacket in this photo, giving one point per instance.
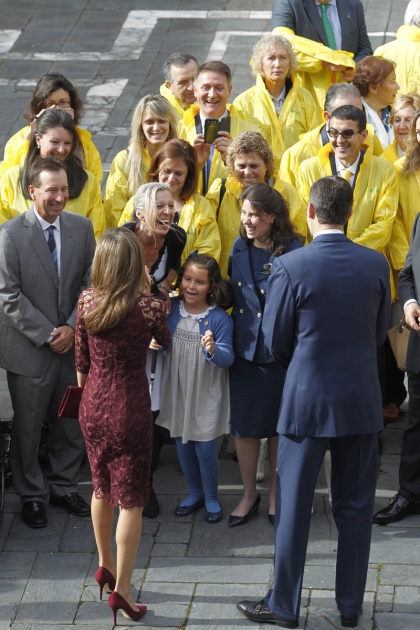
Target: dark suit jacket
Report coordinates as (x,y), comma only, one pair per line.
(408,284)
(327,310)
(247,311)
(32,300)
(303,18)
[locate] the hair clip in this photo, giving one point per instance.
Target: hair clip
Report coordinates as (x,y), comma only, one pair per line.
(193,254)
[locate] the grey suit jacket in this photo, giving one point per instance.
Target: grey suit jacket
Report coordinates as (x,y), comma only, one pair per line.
(32,300)
(303,18)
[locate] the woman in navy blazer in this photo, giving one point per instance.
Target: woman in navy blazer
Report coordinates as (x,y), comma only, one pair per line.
(266,232)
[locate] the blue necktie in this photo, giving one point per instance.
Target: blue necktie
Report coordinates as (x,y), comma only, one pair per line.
(52,245)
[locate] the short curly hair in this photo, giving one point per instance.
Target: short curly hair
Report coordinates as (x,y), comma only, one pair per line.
(266,43)
(372,71)
(250,142)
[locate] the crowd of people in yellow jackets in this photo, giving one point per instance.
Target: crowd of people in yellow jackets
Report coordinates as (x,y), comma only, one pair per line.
(277,132)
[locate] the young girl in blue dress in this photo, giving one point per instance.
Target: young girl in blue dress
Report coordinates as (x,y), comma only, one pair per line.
(195,388)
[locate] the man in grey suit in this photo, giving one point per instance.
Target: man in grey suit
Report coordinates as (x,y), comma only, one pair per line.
(324,318)
(45,259)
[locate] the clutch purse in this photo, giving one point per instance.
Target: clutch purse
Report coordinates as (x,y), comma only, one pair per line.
(69,407)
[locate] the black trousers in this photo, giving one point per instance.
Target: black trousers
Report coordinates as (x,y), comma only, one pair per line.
(410,451)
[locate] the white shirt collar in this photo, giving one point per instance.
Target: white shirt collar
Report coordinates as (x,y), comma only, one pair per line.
(340,167)
(204,118)
(45,224)
(328,231)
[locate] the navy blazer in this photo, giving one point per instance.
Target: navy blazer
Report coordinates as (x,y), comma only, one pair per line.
(409,282)
(247,311)
(328,307)
(303,18)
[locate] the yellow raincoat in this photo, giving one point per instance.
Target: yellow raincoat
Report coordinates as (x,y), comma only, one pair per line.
(88,203)
(176,104)
(280,130)
(315,77)
(229,214)
(405,51)
(199,222)
(308,146)
(187,131)
(116,192)
(17,147)
(409,195)
(375,201)
(390,153)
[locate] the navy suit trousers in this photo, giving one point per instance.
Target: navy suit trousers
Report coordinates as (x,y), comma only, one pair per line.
(353,482)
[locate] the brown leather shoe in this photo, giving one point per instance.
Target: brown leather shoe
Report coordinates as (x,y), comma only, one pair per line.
(391,412)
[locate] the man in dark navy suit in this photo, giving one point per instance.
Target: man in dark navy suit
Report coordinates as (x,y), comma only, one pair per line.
(407,500)
(327,311)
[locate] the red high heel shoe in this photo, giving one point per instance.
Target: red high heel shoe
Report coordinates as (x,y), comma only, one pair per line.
(105,580)
(117,602)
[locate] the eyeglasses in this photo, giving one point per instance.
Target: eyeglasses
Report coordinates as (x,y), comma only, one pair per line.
(65,102)
(347,133)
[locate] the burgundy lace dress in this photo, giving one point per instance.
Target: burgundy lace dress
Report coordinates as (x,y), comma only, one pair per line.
(115,414)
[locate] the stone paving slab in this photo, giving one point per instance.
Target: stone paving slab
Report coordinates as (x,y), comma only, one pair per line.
(210,570)
(385,621)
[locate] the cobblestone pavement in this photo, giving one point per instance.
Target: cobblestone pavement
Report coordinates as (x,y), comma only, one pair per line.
(189,573)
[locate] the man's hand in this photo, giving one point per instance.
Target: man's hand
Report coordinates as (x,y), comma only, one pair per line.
(412,314)
(222,143)
(202,150)
(63,339)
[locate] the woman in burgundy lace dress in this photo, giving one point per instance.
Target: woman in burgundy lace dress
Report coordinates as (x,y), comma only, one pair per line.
(116,322)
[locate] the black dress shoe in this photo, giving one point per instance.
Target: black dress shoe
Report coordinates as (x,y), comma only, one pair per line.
(258,611)
(186,510)
(33,514)
(396,511)
(235,521)
(350,621)
(73,503)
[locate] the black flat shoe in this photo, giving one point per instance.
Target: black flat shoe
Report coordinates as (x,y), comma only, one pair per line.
(258,611)
(235,521)
(271,518)
(214,517)
(33,514)
(396,511)
(73,503)
(186,510)
(151,510)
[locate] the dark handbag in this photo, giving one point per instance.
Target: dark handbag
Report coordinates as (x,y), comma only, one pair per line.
(70,404)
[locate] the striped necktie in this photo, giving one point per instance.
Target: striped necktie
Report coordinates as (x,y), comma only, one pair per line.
(328,26)
(52,245)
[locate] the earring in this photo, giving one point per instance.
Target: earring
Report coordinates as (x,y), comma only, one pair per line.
(142,226)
